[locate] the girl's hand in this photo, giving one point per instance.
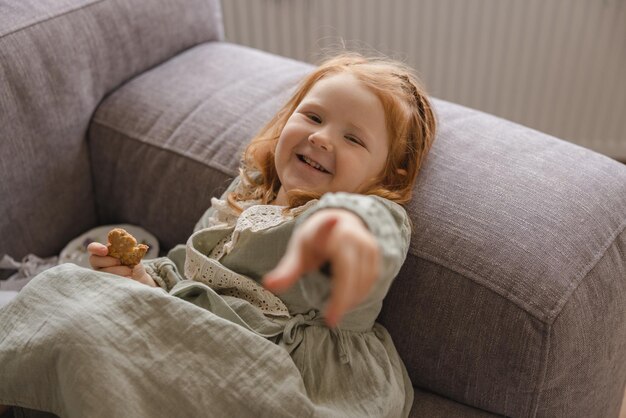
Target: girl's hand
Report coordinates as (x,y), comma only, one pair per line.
(100,261)
(338,236)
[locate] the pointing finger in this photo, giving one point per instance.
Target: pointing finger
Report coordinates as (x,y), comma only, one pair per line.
(344,281)
(305,252)
(321,232)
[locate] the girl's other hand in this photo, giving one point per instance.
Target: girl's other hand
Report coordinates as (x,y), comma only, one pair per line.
(338,236)
(101,261)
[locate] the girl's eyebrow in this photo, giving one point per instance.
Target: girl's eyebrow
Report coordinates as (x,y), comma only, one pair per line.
(310,102)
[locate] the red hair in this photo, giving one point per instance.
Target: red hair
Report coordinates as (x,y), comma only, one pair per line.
(409,119)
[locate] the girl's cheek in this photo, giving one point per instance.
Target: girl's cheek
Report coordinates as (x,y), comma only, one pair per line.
(289,131)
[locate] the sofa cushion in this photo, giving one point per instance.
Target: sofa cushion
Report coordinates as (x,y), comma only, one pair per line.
(429,405)
(178,132)
(57,61)
(514,231)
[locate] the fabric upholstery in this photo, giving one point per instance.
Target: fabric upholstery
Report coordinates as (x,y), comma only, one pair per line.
(429,405)
(510,225)
(517,250)
(58,59)
(179,132)
(587,341)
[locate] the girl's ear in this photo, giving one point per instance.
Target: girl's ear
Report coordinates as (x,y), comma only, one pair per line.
(401,171)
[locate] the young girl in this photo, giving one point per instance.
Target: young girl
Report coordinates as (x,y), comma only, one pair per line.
(303,246)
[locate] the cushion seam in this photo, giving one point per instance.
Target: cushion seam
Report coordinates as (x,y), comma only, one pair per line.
(558,307)
(64,13)
(219,168)
(550,325)
(475,278)
(545,351)
(548,316)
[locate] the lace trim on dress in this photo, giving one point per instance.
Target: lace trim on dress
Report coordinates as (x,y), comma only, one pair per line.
(229,283)
(255,217)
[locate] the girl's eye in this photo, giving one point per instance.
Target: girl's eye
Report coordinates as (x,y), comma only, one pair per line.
(355,140)
(315,118)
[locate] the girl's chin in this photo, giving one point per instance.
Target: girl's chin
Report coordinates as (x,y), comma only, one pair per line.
(306,188)
(308,181)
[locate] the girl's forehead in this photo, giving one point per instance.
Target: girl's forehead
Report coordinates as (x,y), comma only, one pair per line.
(347,98)
(342,87)
(335,79)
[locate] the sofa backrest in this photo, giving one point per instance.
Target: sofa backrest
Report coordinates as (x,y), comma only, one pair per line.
(58,60)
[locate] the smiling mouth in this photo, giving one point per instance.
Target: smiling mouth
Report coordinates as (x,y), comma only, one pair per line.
(312,163)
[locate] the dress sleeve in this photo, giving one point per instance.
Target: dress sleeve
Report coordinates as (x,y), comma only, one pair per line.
(390,225)
(164,270)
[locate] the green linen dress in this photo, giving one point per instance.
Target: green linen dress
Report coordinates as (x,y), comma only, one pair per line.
(352,370)
(210,342)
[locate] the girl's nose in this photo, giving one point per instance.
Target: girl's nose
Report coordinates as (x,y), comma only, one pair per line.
(321,140)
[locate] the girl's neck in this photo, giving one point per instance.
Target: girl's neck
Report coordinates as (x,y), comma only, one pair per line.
(281,198)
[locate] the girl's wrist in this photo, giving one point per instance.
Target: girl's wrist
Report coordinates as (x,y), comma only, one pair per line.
(344,214)
(148,280)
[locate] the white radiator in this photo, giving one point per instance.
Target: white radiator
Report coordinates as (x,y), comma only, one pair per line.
(558,66)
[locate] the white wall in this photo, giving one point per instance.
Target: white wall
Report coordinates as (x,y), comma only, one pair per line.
(558,66)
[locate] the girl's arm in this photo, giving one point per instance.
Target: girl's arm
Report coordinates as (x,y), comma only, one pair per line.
(341,238)
(365,238)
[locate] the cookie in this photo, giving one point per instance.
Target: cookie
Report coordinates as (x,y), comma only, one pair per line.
(124,246)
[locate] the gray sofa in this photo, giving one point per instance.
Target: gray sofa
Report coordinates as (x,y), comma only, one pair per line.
(512,301)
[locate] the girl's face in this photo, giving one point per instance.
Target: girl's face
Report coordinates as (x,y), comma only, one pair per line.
(335,140)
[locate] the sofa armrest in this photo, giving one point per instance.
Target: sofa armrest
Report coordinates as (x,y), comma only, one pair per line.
(57,62)
(512,296)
